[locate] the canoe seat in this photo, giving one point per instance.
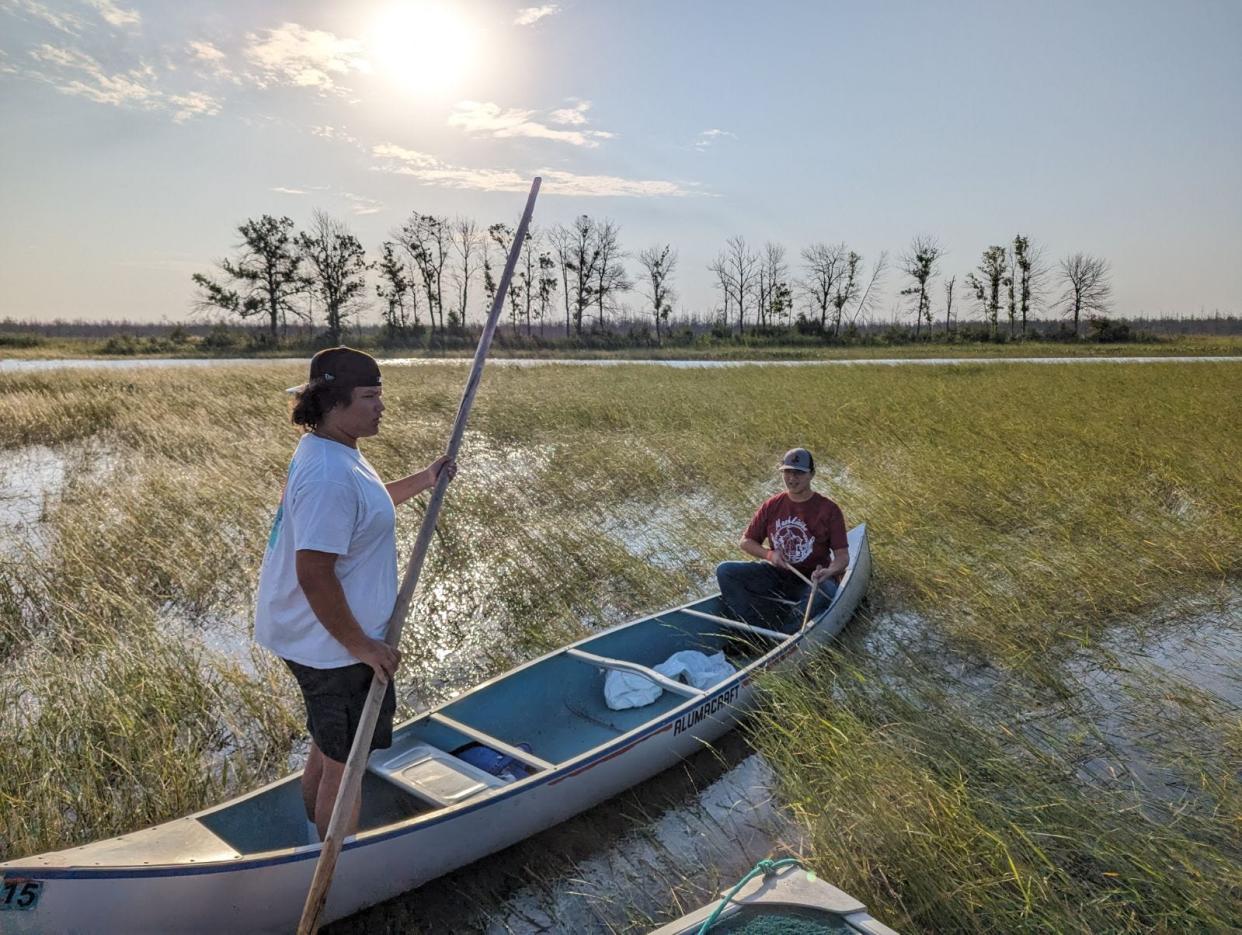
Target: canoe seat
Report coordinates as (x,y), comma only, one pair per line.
(436,777)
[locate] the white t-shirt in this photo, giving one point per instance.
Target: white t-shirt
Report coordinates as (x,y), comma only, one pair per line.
(333,502)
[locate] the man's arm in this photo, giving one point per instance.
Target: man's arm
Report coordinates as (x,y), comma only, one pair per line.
(413,484)
(318,580)
(756,550)
(840,562)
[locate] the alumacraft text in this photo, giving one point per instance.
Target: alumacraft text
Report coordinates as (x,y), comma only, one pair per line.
(687,721)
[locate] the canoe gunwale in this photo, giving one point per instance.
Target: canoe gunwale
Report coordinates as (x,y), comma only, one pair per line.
(565,769)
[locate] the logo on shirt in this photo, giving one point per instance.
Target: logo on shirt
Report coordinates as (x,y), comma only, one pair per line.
(793,539)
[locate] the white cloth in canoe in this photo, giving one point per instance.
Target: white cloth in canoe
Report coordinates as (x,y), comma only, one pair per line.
(628,690)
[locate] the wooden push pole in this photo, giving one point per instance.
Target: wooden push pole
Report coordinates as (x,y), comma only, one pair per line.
(810,598)
(351,780)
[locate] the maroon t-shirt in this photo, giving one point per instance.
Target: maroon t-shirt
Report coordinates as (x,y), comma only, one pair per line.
(804,532)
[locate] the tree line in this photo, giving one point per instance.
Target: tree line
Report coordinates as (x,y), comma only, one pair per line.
(433,271)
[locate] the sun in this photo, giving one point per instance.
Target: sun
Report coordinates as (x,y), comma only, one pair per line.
(426,46)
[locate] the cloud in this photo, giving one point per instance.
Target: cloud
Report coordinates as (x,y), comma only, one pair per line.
(209,61)
(571,116)
(205,51)
(528,16)
(31,9)
(194,104)
(489,119)
(114,15)
(73,72)
(301,57)
(556,182)
(408,157)
(134,87)
(710,137)
(360,204)
(334,133)
(431,171)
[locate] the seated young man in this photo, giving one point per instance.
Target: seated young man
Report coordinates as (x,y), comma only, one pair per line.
(804,530)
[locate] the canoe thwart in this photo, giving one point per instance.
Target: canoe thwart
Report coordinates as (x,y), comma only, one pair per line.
(620,665)
(737,625)
(488,740)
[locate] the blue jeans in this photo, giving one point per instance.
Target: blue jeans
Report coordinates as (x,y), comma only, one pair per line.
(763,595)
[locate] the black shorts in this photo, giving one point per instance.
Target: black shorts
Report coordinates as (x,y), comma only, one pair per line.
(334,702)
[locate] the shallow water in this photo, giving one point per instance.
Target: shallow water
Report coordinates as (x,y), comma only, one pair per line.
(32,481)
(1153,687)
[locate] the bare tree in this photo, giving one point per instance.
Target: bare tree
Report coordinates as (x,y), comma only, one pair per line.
(547,285)
(987,285)
(1029,272)
(659,264)
(502,236)
(919,263)
(1087,286)
(720,267)
(868,297)
(580,256)
(825,266)
(527,273)
(610,277)
(465,238)
(563,249)
(426,238)
(337,265)
(772,275)
(948,304)
(846,290)
(742,263)
(265,277)
(398,288)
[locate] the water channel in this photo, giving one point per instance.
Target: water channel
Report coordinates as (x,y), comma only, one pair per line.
(38,366)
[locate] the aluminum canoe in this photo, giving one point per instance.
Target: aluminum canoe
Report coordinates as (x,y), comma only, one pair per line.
(245,865)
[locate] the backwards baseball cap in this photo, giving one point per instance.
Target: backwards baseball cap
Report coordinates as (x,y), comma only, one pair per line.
(342,366)
(797,459)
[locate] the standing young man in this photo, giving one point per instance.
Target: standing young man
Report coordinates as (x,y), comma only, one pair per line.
(805,530)
(329,579)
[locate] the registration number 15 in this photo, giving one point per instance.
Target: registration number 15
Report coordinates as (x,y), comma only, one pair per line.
(18,893)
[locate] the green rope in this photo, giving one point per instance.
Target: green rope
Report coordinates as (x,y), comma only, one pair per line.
(766,867)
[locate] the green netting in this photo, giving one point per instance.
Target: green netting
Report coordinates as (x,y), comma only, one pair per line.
(757,921)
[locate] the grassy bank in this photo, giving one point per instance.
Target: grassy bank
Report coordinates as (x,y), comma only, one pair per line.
(1027,521)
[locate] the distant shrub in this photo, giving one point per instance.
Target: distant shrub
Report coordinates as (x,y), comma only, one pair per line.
(20,340)
(219,338)
(120,344)
(808,327)
(1105,330)
(411,336)
(261,340)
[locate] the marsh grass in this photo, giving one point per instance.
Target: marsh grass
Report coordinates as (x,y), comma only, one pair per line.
(1024,519)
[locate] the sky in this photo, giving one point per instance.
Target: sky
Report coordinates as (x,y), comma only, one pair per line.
(136,136)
